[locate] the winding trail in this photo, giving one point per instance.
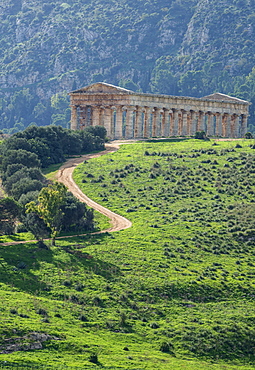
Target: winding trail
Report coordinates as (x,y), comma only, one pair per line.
(64,175)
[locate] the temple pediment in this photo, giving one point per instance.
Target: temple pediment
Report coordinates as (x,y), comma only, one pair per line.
(102,87)
(224,97)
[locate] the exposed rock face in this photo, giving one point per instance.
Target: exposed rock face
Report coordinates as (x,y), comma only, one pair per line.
(28,342)
(54,47)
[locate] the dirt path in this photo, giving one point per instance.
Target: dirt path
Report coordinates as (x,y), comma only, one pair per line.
(64,175)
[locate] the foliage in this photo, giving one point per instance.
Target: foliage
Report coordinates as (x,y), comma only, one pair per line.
(36,225)
(9,215)
(200,135)
(50,200)
(22,156)
(76,216)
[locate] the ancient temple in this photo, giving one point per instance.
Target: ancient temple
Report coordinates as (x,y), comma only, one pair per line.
(127,114)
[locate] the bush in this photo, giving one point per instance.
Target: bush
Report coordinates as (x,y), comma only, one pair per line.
(248,135)
(166,347)
(93,358)
(200,135)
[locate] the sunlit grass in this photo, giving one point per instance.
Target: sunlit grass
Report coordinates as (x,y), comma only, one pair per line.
(179,276)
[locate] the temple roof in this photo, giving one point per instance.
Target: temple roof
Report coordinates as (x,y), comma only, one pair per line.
(102,87)
(224,97)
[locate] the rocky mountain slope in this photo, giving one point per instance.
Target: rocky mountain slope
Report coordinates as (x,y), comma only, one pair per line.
(181,47)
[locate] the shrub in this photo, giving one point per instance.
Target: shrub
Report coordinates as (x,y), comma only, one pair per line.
(200,135)
(42,311)
(166,347)
(93,358)
(248,135)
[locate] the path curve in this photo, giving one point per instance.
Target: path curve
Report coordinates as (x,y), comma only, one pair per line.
(64,175)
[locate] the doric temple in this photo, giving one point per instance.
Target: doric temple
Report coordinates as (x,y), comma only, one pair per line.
(127,114)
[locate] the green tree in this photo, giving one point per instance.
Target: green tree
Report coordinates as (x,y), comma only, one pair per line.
(50,200)
(20,156)
(191,83)
(76,216)
(164,82)
(9,215)
(36,226)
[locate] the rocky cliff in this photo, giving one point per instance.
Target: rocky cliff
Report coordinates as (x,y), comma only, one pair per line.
(186,47)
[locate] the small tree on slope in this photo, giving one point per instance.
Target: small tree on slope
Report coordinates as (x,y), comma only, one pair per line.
(50,200)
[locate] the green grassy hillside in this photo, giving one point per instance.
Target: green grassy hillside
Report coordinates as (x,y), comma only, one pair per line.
(175,291)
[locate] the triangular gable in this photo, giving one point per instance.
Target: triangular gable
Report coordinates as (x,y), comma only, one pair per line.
(224,97)
(102,87)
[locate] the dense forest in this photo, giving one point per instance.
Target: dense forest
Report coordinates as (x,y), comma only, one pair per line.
(176,47)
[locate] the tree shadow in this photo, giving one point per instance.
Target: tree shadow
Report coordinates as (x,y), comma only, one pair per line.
(107,270)
(18,263)
(168,140)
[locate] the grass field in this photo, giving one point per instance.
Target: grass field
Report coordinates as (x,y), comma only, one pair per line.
(175,291)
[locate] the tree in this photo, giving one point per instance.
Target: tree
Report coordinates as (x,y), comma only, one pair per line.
(24,186)
(200,135)
(164,82)
(9,215)
(20,156)
(76,216)
(36,226)
(99,131)
(50,200)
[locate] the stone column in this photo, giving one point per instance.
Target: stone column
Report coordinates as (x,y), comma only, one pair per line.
(243,125)
(138,122)
(234,125)
(155,122)
(184,123)
(210,128)
(218,130)
(175,122)
(171,122)
(119,123)
(201,121)
(129,123)
(224,124)
(189,115)
(95,116)
(228,126)
(74,118)
(101,116)
(146,131)
(180,123)
(108,122)
(165,127)
(194,122)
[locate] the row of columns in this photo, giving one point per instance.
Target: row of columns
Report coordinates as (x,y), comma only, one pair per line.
(143,122)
